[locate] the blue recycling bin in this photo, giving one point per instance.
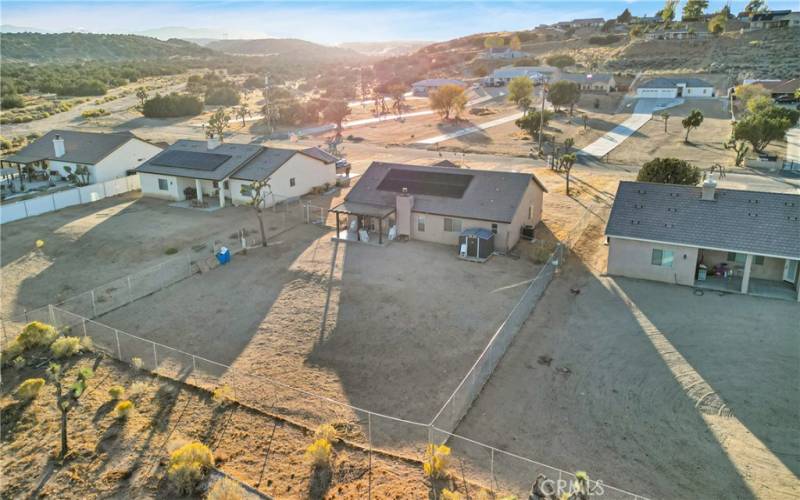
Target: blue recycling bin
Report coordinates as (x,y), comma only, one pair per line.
(224,256)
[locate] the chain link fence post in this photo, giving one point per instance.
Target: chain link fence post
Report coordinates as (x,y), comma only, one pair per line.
(52,314)
(130,290)
(94,305)
(119,349)
(369,438)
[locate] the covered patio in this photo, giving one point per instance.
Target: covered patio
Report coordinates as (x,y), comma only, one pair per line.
(759,287)
(363,222)
(745,273)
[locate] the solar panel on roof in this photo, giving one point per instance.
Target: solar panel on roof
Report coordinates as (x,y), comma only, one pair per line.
(191,159)
(425,183)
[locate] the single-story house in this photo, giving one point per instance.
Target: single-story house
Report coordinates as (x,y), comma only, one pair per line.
(203,169)
(775,19)
(437,203)
(781,88)
(677,34)
(106,156)
(662,87)
(593,22)
(726,239)
(538,74)
(504,53)
(599,82)
(645,20)
(425,87)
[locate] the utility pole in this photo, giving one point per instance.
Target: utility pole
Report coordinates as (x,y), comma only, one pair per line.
(541,115)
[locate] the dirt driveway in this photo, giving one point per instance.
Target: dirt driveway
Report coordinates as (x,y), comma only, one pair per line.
(583,388)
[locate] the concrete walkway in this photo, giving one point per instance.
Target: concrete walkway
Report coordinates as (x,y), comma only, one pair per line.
(793,145)
(641,114)
(472,130)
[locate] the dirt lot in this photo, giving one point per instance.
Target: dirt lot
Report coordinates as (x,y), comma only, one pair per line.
(89,245)
(384,347)
(705,146)
(582,387)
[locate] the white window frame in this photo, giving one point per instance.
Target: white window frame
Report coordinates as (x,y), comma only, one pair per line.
(666,258)
(166,183)
(420,223)
(455,225)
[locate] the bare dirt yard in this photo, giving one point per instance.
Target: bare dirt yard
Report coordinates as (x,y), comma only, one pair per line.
(389,329)
(705,146)
(89,245)
(584,387)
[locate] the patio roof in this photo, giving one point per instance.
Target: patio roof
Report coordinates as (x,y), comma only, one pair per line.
(350,207)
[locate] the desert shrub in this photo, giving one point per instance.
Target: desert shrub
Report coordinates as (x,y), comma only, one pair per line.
(13,349)
(450,495)
(116,392)
(319,453)
(65,347)
(327,432)
(95,113)
(12,101)
(29,389)
(137,389)
(87,344)
(187,466)
(137,362)
(172,105)
(36,334)
(226,489)
(222,395)
(18,362)
(124,409)
(171,251)
(669,171)
(437,460)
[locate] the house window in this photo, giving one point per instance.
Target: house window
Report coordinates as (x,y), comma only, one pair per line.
(291,182)
(247,189)
(421,224)
(530,212)
(738,258)
(163,185)
(452,225)
(494,228)
(661,258)
(758,260)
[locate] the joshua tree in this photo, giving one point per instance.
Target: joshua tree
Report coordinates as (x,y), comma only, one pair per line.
(665,117)
(257,191)
(218,122)
(585,119)
(242,112)
(141,94)
(66,401)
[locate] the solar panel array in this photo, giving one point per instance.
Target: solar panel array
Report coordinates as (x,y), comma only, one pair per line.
(191,160)
(425,183)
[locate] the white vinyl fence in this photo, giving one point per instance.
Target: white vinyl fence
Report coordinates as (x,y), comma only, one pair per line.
(61,199)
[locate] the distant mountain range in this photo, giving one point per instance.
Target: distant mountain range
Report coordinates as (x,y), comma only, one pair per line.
(287,47)
(385,49)
(10,28)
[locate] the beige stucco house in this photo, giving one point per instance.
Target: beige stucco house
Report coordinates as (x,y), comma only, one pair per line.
(706,237)
(437,204)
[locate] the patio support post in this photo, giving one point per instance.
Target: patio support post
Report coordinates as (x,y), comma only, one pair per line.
(380,230)
(748,264)
(222,193)
(199,189)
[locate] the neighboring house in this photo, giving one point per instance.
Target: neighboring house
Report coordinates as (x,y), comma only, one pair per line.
(220,171)
(446,163)
(597,82)
(781,89)
(107,156)
(645,20)
(504,53)
(775,19)
(676,34)
(437,203)
(425,87)
(734,240)
(674,87)
(593,22)
(538,74)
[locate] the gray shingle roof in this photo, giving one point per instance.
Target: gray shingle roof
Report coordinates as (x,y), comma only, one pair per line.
(584,78)
(320,155)
(264,164)
(80,147)
(491,195)
(737,221)
(239,155)
(667,83)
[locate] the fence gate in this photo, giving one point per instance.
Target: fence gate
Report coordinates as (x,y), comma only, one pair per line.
(313,214)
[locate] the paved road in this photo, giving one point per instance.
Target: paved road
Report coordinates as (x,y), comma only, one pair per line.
(641,114)
(472,130)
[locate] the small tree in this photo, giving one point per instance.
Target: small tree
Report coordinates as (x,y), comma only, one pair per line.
(568,143)
(242,112)
(565,164)
(560,61)
(745,93)
(692,121)
(761,129)
(141,94)
(218,123)
(257,191)
(533,120)
(448,99)
(585,119)
(336,112)
(669,171)
(665,117)
(66,401)
(519,89)
(398,94)
(718,23)
(741,148)
(564,93)
(80,176)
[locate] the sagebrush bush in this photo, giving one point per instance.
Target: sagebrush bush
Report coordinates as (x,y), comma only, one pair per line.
(124,409)
(450,495)
(226,489)
(29,389)
(116,392)
(223,395)
(65,347)
(187,466)
(137,362)
(327,431)
(13,349)
(86,344)
(37,334)
(319,453)
(137,389)
(437,460)
(19,362)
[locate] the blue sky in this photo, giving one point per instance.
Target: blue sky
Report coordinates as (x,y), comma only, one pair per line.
(323,22)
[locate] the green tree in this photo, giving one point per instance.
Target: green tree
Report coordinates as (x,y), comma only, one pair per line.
(625,17)
(560,61)
(66,401)
(218,123)
(564,93)
(336,112)
(718,24)
(692,121)
(756,7)
(760,129)
(533,120)
(667,13)
(669,171)
(141,94)
(665,117)
(693,9)
(448,99)
(520,88)
(744,93)
(257,191)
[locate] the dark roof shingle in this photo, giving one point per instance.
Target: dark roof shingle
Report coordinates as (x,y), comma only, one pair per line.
(80,147)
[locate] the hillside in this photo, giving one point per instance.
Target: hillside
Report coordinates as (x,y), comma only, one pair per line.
(384,49)
(68,47)
(287,47)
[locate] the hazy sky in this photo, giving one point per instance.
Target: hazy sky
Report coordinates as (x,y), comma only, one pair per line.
(324,22)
